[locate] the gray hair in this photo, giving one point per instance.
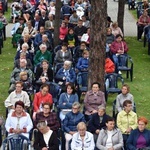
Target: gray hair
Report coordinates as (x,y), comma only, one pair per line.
(43,45)
(44,35)
(25,45)
(41,124)
(68,63)
(76,104)
(23,60)
(101,108)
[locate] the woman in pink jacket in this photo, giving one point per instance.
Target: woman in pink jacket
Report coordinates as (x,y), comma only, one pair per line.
(63,30)
(118,47)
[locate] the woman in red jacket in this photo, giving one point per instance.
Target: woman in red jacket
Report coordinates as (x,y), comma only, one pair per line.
(63,30)
(40,98)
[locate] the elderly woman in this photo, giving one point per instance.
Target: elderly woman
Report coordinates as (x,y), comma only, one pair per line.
(66,100)
(115,29)
(92,100)
(140,137)
(123,96)
(46,139)
(82,139)
(118,47)
(70,122)
(42,54)
(143,21)
(43,74)
(27,83)
(98,122)
(126,120)
(24,50)
(110,138)
(19,122)
(40,98)
(23,56)
(65,74)
(63,54)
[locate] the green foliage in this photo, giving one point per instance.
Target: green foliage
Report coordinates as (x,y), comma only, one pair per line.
(6,61)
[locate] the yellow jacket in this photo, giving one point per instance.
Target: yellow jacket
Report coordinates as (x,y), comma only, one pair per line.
(124,120)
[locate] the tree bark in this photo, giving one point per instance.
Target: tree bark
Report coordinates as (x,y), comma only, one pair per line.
(120,18)
(57,22)
(97,42)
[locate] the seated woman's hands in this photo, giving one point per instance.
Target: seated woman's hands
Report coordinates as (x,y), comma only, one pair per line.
(94,111)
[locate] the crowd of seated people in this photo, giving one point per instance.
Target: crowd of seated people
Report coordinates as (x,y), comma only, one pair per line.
(34,70)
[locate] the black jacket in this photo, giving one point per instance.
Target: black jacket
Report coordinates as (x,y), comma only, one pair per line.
(95,124)
(39,142)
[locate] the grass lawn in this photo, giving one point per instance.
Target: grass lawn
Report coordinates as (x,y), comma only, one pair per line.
(139,87)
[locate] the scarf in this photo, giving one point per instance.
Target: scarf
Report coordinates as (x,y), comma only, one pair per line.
(70,37)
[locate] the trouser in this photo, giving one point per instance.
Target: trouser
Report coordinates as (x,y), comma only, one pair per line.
(125,137)
(140,31)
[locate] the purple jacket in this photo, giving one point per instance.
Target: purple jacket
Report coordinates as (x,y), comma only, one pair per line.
(115,46)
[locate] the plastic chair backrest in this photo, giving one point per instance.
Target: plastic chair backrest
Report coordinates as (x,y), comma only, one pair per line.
(55,90)
(57,67)
(123,60)
(113,80)
(16,142)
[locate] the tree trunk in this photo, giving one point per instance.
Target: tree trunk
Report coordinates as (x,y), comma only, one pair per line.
(120,19)
(57,22)
(97,42)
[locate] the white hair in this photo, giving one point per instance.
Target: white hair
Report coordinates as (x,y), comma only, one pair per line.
(25,45)
(68,63)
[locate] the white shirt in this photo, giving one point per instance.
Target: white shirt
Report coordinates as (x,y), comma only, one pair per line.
(109,139)
(47,136)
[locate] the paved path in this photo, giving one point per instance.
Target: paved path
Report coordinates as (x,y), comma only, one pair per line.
(130,28)
(129,21)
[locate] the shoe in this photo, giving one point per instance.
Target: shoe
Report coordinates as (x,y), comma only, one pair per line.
(119,72)
(140,40)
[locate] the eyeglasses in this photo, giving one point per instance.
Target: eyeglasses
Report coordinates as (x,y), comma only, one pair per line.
(74,108)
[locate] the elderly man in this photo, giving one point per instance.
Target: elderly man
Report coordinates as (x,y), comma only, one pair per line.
(98,121)
(17,95)
(15,74)
(49,24)
(65,74)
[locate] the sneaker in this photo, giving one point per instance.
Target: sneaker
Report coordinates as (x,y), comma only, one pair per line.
(119,72)
(140,40)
